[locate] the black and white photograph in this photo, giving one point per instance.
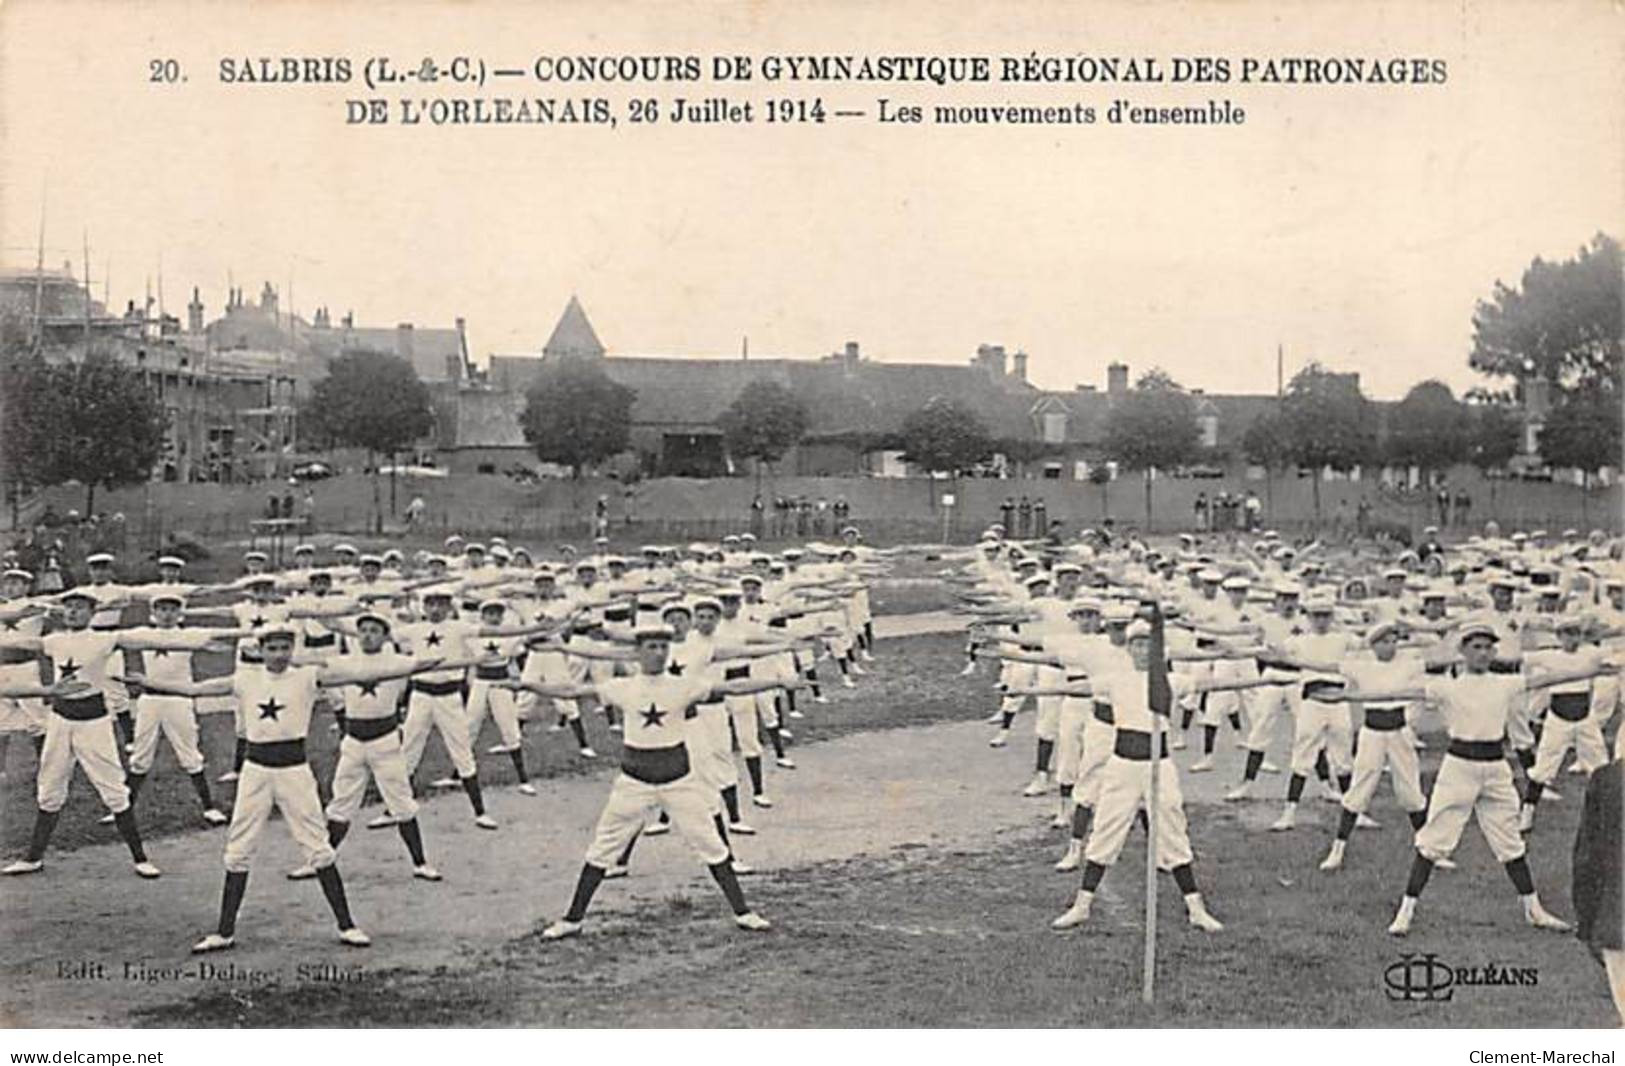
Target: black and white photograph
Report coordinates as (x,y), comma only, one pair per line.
(829,516)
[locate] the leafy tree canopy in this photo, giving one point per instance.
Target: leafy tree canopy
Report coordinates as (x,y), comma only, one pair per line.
(576,416)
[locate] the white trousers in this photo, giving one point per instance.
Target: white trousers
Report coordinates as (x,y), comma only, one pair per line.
(25,715)
(689,802)
(1098,739)
(710,748)
(176,718)
(485,697)
(1074,718)
(1322,725)
(444,713)
(384,761)
(1468,787)
(746,714)
(1124,789)
(94,747)
(289,789)
(1379,748)
(1558,736)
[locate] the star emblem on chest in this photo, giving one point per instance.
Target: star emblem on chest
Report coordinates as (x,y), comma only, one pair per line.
(368,688)
(160,653)
(256,622)
(492,649)
(654,717)
(11,626)
(270,708)
(68,669)
(675,669)
(432,640)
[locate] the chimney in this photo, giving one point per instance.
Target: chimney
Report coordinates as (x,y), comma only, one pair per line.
(1018,367)
(851,352)
(349,320)
(1117,378)
(1083,388)
(403,341)
(995,360)
(194,313)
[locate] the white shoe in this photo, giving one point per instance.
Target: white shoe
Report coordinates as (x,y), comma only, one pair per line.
(213,942)
(1541,918)
(615,873)
(761,801)
(526,789)
(485,821)
(657,829)
(561,929)
(752,922)
(1072,859)
(857,671)
(797,715)
(1000,739)
(1202,765)
(227,777)
(970,668)
(1331,796)
(1401,925)
(1578,768)
(147,870)
(382,821)
(587,753)
(995,718)
(426,873)
(1061,820)
(214,817)
(864,656)
(816,699)
(1551,794)
(23,866)
(444,782)
(1444,864)
(1075,916)
(1287,821)
(1334,861)
(1204,921)
(1178,743)
(1526,819)
(1241,745)
(616,728)
(743,868)
(556,727)
(742,829)
(106,819)
(1365,821)
(1038,785)
(1240,792)
(497,749)
(784,762)
(355,938)
(1267,767)
(302,873)
(785,734)
(847,682)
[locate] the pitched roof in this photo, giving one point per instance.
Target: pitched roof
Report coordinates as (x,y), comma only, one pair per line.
(436,354)
(573,335)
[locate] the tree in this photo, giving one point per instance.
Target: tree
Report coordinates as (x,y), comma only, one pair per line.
(944,437)
(1264,444)
(1562,324)
(764,421)
(1328,422)
(576,416)
(94,421)
(374,401)
(1152,427)
(1583,433)
(1496,437)
(1429,429)
(1101,475)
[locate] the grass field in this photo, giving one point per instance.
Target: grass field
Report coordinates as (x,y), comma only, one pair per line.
(927,936)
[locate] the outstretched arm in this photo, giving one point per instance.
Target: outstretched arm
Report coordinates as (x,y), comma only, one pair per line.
(219,686)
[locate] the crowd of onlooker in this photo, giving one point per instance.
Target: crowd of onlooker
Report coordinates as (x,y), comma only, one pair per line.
(799,515)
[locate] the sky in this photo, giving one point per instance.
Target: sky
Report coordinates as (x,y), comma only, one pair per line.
(1353,224)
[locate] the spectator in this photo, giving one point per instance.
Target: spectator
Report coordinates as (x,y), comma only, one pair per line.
(1596,877)
(1464,505)
(1362,516)
(821,519)
(1007,516)
(1040,518)
(309,511)
(1200,507)
(1443,498)
(756,509)
(273,507)
(629,504)
(843,511)
(287,504)
(1024,517)
(414,512)
(1255,511)
(803,515)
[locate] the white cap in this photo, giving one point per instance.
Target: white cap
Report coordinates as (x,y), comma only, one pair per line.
(100,559)
(171,560)
(1236,584)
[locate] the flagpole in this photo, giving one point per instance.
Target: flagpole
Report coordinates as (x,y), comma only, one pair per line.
(1155,665)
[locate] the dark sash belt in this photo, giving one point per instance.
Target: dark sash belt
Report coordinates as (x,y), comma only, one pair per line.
(491,673)
(1103,713)
(1384,719)
(87,709)
(655,766)
(326,640)
(1316,690)
(1478,750)
(277,754)
(370,728)
(438,688)
(1136,745)
(1501,666)
(736,673)
(1571,706)
(111,628)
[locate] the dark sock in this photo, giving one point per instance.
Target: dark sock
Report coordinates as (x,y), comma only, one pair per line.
(586,885)
(843,663)
(1421,868)
(1185,718)
(1210,733)
(44,826)
(776,738)
(730,800)
(1046,748)
(1009,717)
(1526,758)
(1518,870)
(1081,817)
(728,881)
(812,683)
(200,785)
(471,785)
(1323,769)
(869,637)
(626,852)
(1343,782)
(240,756)
(133,782)
(1066,793)
(39,744)
(1235,720)
(1255,762)
(579,728)
(231,901)
(126,726)
(1185,878)
(125,821)
(336,832)
(1141,821)
(722,831)
(1418,819)
(333,889)
(1092,874)
(1345,824)
(1294,788)
(1532,791)
(413,837)
(753,767)
(518,757)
